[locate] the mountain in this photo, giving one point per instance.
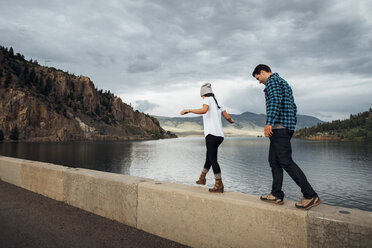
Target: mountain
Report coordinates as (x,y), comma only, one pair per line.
(358,127)
(40,103)
(246,124)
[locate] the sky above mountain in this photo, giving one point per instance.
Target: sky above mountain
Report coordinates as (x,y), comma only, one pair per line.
(155,55)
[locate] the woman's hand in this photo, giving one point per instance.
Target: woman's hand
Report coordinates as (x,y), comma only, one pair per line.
(185,111)
(227,117)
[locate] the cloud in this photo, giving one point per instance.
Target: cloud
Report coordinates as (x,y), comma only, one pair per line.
(131,47)
(144,105)
(142,64)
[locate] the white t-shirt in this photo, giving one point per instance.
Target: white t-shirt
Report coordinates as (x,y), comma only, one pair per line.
(212,119)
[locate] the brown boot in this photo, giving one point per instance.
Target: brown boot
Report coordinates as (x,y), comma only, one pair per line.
(202,179)
(218,187)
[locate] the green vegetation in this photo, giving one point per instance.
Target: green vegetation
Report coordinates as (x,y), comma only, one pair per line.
(357,127)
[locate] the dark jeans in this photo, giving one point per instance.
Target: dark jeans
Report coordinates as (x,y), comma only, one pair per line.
(280,157)
(212,142)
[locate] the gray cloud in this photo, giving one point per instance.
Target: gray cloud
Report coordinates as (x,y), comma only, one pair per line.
(145,105)
(142,64)
(130,47)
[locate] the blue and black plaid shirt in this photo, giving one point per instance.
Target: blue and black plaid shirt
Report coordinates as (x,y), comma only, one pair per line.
(280,105)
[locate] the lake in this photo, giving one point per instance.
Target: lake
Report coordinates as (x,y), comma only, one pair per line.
(340,172)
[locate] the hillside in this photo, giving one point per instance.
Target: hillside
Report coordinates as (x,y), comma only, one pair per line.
(40,103)
(246,124)
(357,127)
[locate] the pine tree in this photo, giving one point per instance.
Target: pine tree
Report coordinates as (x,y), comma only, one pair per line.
(11,52)
(48,86)
(22,81)
(97,110)
(25,71)
(14,133)
(31,76)
(8,80)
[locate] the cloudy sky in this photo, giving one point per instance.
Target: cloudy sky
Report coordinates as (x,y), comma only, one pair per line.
(156,54)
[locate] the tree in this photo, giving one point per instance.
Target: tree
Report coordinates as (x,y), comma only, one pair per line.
(21,81)
(14,133)
(48,86)
(25,71)
(97,110)
(11,52)
(31,76)
(1,135)
(8,80)
(20,56)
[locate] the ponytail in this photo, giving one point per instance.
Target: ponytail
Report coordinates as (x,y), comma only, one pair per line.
(211,94)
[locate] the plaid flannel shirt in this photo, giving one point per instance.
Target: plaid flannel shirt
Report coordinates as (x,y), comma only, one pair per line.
(280,105)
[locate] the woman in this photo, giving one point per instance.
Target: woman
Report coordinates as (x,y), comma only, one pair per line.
(213,133)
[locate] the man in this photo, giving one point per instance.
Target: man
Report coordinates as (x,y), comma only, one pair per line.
(280,124)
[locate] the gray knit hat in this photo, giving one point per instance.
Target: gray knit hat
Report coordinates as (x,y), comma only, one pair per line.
(205,89)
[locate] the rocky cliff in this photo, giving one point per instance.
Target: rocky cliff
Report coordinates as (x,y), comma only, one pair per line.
(39,103)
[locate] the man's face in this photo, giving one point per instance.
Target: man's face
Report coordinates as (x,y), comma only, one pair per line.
(261,78)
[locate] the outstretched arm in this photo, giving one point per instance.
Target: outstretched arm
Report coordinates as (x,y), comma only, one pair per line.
(227,117)
(200,111)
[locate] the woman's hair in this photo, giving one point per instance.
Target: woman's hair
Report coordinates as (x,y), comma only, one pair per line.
(211,94)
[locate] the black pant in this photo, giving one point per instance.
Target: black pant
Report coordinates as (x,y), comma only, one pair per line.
(212,142)
(280,157)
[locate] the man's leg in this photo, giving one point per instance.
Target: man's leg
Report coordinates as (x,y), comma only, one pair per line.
(283,150)
(276,170)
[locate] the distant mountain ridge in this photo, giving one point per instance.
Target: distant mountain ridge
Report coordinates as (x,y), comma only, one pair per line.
(39,103)
(246,124)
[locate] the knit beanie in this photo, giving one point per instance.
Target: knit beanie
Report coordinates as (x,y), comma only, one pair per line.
(205,89)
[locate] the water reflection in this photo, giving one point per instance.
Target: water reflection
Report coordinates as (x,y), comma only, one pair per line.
(341,172)
(103,156)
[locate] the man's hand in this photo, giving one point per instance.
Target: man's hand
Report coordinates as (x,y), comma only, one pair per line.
(268,131)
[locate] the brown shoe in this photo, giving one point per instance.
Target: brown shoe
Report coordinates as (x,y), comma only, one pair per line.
(308,203)
(218,187)
(202,179)
(271,198)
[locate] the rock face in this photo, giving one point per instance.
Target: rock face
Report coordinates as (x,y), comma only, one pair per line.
(46,104)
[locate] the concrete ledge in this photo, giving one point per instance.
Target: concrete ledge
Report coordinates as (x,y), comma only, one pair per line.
(10,170)
(43,178)
(110,195)
(195,217)
(191,215)
(330,226)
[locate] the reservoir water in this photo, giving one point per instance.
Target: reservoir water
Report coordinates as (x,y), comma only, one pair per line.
(341,172)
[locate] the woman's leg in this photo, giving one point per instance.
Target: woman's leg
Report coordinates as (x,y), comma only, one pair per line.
(213,142)
(207,164)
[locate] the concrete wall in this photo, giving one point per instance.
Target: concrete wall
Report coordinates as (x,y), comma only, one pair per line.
(191,215)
